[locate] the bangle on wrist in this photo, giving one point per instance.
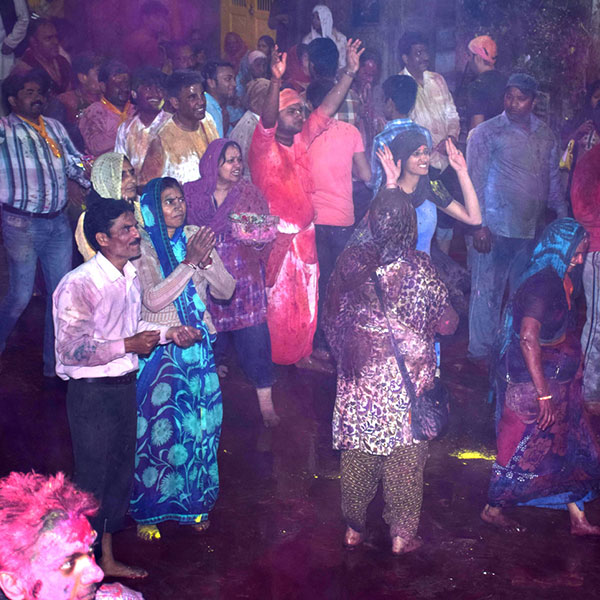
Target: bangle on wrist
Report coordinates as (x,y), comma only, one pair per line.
(548,397)
(190,264)
(208,263)
(349,73)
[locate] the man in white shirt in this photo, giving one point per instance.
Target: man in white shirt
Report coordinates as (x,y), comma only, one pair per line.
(434,109)
(99,333)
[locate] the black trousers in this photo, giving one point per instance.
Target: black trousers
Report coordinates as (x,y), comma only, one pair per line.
(103,423)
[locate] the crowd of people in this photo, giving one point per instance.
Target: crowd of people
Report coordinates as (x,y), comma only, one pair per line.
(289,204)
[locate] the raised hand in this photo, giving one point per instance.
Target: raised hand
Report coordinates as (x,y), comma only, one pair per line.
(455,157)
(391,169)
(278,63)
(353,54)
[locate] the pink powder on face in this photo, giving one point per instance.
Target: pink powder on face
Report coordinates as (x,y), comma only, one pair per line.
(63,566)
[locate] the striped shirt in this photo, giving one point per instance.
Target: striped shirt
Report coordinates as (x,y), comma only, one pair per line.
(31,177)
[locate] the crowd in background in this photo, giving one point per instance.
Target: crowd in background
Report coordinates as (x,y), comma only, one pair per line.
(293,205)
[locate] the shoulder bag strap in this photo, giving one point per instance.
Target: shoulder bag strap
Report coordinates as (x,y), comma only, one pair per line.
(410,386)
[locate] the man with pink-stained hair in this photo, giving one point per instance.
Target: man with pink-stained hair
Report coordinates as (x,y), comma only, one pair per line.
(46,542)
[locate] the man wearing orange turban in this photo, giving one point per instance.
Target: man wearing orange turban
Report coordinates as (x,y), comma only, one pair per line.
(280,168)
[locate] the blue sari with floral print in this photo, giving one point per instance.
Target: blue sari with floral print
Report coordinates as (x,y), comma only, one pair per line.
(179,403)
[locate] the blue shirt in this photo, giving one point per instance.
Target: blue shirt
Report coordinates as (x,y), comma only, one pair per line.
(391,130)
(213,108)
(515,174)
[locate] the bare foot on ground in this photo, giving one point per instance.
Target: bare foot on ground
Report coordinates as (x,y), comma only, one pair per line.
(116,569)
(493,515)
(352,538)
(401,546)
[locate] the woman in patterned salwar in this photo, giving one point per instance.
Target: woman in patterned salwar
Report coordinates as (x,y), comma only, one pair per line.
(547,453)
(178,393)
(371,420)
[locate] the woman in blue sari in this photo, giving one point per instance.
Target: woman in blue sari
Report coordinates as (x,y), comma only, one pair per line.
(178,393)
(547,453)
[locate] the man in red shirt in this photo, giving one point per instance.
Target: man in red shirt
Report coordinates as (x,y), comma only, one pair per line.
(280,167)
(333,157)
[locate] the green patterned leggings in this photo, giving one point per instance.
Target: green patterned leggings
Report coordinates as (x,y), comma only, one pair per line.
(402,476)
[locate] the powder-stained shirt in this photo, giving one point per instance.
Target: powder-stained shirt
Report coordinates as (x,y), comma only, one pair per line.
(330,158)
(99,125)
(515,174)
(133,138)
(176,152)
(391,130)
(31,177)
(434,109)
(95,307)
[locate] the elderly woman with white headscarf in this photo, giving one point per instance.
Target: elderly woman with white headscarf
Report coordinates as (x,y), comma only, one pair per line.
(322,26)
(112,177)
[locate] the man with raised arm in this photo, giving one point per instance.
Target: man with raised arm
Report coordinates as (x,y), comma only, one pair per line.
(279,166)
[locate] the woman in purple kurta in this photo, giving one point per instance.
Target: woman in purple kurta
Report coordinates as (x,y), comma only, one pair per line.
(219,192)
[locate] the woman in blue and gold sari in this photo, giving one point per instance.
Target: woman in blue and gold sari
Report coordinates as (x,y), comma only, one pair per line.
(178,393)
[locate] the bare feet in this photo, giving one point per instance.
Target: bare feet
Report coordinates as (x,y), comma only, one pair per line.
(222,371)
(148,533)
(493,515)
(313,364)
(579,523)
(584,527)
(271,420)
(113,568)
(402,546)
(201,527)
(321,354)
(352,538)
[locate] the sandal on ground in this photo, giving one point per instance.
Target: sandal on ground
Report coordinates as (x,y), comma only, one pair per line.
(148,533)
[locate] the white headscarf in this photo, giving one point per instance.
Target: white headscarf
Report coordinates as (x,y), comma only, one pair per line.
(326,19)
(107,173)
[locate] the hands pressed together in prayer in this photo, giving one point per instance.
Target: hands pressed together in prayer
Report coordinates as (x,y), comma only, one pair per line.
(199,247)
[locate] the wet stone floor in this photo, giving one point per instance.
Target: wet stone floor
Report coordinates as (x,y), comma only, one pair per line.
(276,531)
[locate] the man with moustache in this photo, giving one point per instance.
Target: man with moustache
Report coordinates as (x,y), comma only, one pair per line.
(99,334)
(43,53)
(513,163)
(46,542)
(181,142)
(280,166)
(36,158)
(100,121)
(134,136)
